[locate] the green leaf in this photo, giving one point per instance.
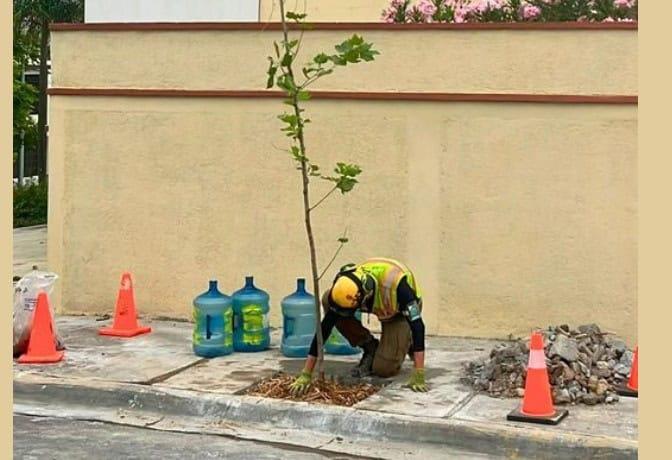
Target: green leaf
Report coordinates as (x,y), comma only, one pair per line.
(350,170)
(314,170)
(338,60)
(345,179)
(295,16)
(346,184)
(321,58)
(286,82)
(356,40)
(296,153)
(272,69)
(288,118)
(353,50)
(351,56)
(287,60)
(303,96)
(292,122)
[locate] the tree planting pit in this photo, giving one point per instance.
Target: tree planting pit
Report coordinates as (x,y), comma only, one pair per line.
(328,391)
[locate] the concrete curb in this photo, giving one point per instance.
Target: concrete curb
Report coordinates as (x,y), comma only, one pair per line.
(512,442)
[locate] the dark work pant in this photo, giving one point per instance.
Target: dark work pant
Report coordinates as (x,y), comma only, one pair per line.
(395,341)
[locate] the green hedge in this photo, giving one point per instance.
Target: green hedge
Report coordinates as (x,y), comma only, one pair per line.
(30,205)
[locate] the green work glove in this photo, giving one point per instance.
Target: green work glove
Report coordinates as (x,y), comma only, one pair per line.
(300,385)
(417,381)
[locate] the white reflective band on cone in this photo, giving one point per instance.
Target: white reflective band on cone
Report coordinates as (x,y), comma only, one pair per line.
(537,360)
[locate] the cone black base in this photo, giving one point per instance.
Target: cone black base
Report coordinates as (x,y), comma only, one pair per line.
(517,416)
(625,391)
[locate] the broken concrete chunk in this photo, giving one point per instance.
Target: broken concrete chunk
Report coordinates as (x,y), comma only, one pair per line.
(602,387)
(622,369)
(602,369)
(568,374)
(564,347)
(626,358)
(591,399)
(590,329)
(592,382)
(562,396)
(616,344)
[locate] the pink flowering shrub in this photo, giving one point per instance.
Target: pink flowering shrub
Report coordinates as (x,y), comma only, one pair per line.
(458,11)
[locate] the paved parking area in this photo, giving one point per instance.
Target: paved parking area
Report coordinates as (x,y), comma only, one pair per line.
(30,248)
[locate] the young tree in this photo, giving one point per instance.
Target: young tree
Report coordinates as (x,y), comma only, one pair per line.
(281,73)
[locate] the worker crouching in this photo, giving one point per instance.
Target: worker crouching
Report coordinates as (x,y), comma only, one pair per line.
(387,289)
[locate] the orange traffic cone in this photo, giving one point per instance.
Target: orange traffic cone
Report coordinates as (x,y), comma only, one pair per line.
(537,404)
(125,317)
(631,388)
(42,342)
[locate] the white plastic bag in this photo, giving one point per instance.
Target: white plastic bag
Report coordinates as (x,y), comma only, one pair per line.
(25,300)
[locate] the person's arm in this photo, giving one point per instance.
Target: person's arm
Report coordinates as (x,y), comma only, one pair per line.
(328,323)
(408,305)
(418,334)
(410,309)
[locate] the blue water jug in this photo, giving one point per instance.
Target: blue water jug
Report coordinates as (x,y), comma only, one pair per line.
(251,331)
(336,344)
(213,323)
(298,322)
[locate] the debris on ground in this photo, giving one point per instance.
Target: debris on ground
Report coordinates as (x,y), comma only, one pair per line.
(321,391)
(584,366)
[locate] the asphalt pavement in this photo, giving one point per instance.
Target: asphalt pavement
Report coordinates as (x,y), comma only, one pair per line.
(62,438)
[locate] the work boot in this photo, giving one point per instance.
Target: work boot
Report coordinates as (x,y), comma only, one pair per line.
(363,369)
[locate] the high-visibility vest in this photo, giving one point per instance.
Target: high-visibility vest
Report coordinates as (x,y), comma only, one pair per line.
(387,274)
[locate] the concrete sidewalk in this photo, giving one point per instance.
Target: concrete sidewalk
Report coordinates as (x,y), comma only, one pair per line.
(156,380)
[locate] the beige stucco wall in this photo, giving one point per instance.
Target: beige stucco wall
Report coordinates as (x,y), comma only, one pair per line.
(326,10)
(512,215)
(504,61)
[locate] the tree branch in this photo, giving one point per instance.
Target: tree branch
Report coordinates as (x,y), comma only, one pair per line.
(345,232)
(323,198)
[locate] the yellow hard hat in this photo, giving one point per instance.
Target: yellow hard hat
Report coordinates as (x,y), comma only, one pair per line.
(345,292)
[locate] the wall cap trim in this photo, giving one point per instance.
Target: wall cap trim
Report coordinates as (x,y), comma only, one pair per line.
(275,26)
(352,95)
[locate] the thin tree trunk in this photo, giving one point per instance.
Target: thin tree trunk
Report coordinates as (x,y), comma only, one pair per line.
(306,210)
(42,103)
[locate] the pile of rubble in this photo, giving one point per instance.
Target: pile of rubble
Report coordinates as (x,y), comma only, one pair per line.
(584,366)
